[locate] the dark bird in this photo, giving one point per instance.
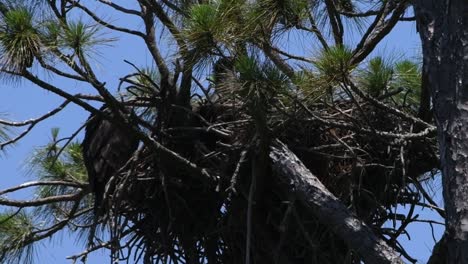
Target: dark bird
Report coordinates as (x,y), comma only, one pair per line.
(106,149)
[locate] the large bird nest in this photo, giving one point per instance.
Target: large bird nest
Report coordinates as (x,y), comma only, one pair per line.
(371,156)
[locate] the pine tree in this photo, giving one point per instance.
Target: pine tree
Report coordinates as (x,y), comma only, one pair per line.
(249,151)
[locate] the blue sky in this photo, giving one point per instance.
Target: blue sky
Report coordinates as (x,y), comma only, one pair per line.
(21,101)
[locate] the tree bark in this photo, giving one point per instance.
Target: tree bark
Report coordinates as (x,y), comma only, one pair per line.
(443,27)
(329,209)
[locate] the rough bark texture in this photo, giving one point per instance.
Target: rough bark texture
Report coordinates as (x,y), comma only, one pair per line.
(329,209)
(443,26)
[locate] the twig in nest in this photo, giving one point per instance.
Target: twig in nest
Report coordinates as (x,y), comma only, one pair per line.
(249,217)
(232,188)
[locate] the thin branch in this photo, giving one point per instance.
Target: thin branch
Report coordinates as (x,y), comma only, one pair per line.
(43,183)
(108,25)
(35,120)
(42,201)
(59,92)
(150,40)
(335,22)
(59,72)
(120,8)
(379,29)
(386,107)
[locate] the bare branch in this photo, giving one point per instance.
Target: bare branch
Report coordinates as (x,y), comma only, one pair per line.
(108,25)
(120,8)
(379,29)
(36,120)
(42,201)
(43,183)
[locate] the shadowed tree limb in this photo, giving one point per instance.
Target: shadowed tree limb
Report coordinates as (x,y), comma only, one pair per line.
(329,209)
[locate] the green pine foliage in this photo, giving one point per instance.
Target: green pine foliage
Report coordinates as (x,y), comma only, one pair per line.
(210,28)
(15,230)
(376,76)
(82,38)
(58,162)
(334,64)
(26,35)
(21,230)
(407,74)
(382,76)
(20,40)
(306,102)
(253,78)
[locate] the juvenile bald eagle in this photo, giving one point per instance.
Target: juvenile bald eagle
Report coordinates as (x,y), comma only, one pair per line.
(106,148)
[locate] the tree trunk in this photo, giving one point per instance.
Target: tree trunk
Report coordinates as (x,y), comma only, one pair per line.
(329,209)
(443,27)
